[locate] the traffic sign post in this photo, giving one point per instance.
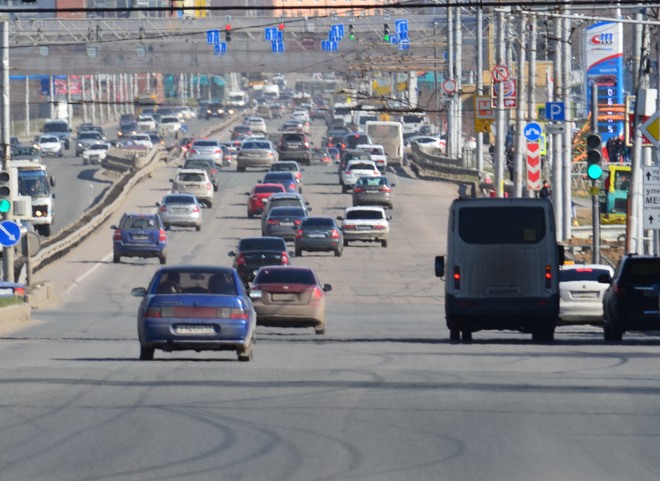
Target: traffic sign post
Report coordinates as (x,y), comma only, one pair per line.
(449,86)
(651,129)
(533,165)
(651,197)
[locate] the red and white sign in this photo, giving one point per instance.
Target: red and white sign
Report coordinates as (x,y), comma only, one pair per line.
(500,73)
(449,86)
(533,166)
(509,92)
(484,108)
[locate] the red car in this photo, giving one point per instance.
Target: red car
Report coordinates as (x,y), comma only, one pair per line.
(259,193)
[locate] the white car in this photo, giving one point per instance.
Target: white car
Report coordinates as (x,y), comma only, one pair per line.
(426,143)
(195,182)
(95,153)
(146,123)
(50,145)
(171,124)
(365,223)
(377,153)
(142,139)
(301,115)
(354,170)
(257,124)
(580,293)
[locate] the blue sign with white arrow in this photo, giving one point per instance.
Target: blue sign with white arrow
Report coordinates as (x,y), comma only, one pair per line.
(10,233)
(533,131)
(270,33)
(213,37)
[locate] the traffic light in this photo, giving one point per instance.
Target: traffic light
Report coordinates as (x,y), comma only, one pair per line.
(281,27)
(386,32)
(351,32)
(594,157)
(228,33)
(6,191)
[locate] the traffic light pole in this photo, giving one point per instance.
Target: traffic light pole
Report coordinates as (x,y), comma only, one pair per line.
(8,252)
(595,206)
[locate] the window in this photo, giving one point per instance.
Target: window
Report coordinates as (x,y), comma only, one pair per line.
(496,225)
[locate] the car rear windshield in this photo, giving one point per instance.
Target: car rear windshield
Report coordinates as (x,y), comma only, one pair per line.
(355,140)
(293,138)
(284,211)
(146,222)
(277,167)
(262,189)
(641,271)
(289,276)
(361,167)
(256,145)
(191,177)
(270,176)
(179,199)
(581,274)
(364,214)
(494,225)
(262,244)
(205,143)
(318,222)
(199,163)
(197,282)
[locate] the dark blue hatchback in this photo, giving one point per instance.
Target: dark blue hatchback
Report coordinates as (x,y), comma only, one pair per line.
(139,235)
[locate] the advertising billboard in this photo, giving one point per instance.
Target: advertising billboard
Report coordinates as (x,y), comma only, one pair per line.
(604,61)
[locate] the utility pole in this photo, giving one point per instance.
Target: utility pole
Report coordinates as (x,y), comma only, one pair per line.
(557,170)
(450,75)
(568,131)
(499,112)
(595,207)
(521,144)
(480,82)
(458,119)
(531,82)
(8,252)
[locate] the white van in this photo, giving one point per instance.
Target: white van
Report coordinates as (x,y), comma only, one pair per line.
(238,100)
(502,267)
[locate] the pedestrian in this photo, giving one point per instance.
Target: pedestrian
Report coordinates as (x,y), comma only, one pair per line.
(546,191)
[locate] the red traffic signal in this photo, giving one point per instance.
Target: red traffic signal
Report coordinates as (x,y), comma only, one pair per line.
(281,26)
(228,27)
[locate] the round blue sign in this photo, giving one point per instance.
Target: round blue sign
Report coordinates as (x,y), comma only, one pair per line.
(533,131)
(10,233)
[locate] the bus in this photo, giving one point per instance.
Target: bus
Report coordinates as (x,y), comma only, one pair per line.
(501,268)
(390,136)
(613,197)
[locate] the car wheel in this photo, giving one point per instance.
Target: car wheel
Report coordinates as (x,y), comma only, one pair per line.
(319,330)
(298,252)
(250,215)
(466,335)
(245,355)
(198,228)
(116,258)
(343,189)
(240,169)
(146,353)
(162,259)
(611,333)
(60,154)
(383,242)
(209,204)
(300,190)
(544,333)
(454,335)
(215,188)
(345,242)
(391,206)
(338,253)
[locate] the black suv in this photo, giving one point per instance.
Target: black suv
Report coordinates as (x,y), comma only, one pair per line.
(295,146)
(254,252)
(630,302)
(353,139)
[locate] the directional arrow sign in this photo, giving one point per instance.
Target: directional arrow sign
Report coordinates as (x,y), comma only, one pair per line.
(10,233)
(533,131)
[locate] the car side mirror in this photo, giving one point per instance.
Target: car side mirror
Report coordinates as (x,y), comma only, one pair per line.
(389,217)
(327,287)
(392,185)
(439,266)
(231,254)
(340,217)
(138,292)
(113,227)
(157,204)
(604,279)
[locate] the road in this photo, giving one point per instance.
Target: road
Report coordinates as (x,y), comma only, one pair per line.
(382,396)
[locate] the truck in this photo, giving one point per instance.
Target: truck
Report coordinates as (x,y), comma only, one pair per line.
(34,181)
(271,92)
(502,267)
(60,128)
(237,100)
(390,135)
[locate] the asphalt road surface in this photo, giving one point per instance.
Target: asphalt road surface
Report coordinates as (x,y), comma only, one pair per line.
(382,396)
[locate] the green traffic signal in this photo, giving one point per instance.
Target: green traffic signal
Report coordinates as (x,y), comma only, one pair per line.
(595,171)
(5,205)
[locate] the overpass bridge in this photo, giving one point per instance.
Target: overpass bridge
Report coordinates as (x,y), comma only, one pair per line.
(179,45)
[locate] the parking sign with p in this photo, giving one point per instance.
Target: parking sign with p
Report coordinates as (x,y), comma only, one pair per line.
(554,111)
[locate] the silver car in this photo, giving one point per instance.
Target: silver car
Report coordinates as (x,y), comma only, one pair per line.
(196,182)
(180,210)
(256,153)
(373,191)
(206,148)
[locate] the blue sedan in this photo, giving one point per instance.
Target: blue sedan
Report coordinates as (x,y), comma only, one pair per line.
(195,308)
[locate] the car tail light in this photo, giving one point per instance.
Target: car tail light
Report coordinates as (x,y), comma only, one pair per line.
(292,185)
(217,151)
(238,313)
(209,186)
(376,172)
(317,293)
(334,234)
(343,146)
(307,144)
(214,172)
(163,208)
(297,221)
(357,189)
(349,227)
(273,222)
(195,208)
(19,291)
(117,235)
(385,189)
(193,151)
(548,276)
(299,233)
(162,236)
(379,226)
(240,260)
(619,291)
(284,258)
(152,312)
(457,277)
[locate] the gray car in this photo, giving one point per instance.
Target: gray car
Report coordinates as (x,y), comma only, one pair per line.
(182,210)
(319,234)
(373,191)
(256,153)
(284,199)
(206,148)
(86,139)
(284,221)
(208,165)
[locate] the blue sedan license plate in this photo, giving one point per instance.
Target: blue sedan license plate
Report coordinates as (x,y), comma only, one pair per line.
(195,330)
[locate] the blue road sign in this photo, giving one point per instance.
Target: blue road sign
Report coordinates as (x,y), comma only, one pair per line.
(220,48)
(334,46)
(555,111)
(394,39)
(212,37)
(183,128)
(270,33)
(337,31)
(325,45)
(10,233)
(276,47)
(401,26)
(404,45)
(332,36)
(533,131)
